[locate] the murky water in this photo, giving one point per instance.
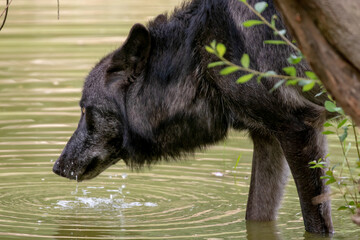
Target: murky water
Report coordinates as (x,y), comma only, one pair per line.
(43,62)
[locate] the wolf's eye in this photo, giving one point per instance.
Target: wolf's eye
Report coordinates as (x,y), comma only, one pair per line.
(83,110)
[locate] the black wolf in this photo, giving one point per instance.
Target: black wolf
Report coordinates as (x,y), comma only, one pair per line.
(154,98)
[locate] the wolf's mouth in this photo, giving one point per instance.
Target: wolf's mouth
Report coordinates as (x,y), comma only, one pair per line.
(66,171)
(95,167)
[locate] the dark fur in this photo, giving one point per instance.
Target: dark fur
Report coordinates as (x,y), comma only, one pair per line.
(154,98)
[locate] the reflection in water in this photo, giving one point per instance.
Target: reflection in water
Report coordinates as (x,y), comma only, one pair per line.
(262,230)
(81,230)
(43,62)
(270,231)
(310,236)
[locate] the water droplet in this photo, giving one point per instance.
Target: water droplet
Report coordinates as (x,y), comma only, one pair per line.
(85,192)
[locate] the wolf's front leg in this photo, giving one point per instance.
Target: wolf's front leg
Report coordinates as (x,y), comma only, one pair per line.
(268,178)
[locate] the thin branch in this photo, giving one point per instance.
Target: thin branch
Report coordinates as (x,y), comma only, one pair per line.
(271,26)
(348,166)
(5,11)
(356,139)
(7,6)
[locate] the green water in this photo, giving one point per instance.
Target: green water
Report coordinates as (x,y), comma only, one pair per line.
(43,62)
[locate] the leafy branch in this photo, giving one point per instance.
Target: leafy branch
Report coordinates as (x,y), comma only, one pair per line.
(346,185)
(258,9)
(219,50)
(291,78)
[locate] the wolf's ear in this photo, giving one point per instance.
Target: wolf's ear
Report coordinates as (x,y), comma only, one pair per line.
(134,53)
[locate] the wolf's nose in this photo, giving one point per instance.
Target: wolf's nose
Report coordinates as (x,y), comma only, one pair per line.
(56,168)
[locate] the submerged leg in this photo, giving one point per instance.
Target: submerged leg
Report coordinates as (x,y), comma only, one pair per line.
(268,178)
(302,144)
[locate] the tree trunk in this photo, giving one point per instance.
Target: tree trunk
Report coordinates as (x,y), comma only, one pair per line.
(328,34)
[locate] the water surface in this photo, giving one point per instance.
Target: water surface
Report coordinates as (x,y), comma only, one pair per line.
(43,62)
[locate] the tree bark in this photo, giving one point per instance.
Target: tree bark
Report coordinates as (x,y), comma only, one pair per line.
(328,34)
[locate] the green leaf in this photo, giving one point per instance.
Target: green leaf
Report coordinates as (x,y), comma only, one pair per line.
(304,82)
(343,136)
(260,6)
(328,132)
(229,70)
(291,71)
(293,59)
(329,173)
(292,82)
(281,32)
(250,23)
(243,1)
(277,85)
(311,75)
(237,162)
(319,165)
(328,124)
(331,107)
(221,49)
(273,19)
(330,181)
(266,74)
(343,208)
(270,73)
(342,123)
(308,86)
(213,44)
(215,64)
(245,78)
(245,60)
(319,94)
(275,42)
(209,49)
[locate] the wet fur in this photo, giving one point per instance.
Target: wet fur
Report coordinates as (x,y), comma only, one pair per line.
(154,98)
